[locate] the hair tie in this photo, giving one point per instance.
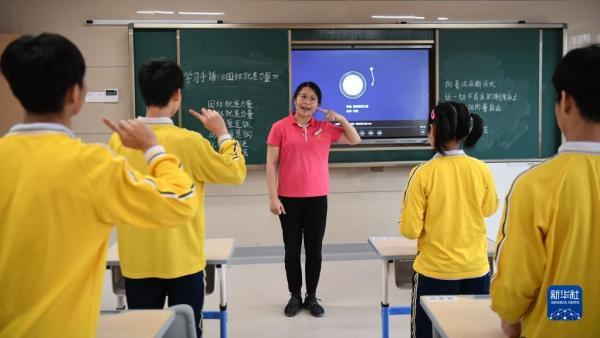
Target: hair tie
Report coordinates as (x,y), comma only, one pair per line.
(433,114)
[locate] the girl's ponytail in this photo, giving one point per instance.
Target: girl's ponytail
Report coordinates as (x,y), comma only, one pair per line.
(476,131)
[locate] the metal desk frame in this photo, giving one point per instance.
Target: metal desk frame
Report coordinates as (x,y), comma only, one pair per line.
(390,249)
(221,263)
(407,251)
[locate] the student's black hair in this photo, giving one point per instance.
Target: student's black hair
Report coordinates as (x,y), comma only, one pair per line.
(452,121)
(41,69)
(578,74)
(310,85)
(159,79)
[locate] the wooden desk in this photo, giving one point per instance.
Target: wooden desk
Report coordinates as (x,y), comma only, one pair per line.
(462,316)
(135,324)
(394,248)
(218,253)
(217,250)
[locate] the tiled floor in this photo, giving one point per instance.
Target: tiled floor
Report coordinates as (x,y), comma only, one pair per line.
(350,293)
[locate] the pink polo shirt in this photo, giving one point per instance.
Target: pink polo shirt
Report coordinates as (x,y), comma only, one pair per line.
(303,156)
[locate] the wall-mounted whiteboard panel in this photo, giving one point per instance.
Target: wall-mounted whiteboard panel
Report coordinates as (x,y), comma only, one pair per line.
(504,175)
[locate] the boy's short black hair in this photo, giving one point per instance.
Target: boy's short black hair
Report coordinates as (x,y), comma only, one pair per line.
(159,79)
(41,69)
(578,74)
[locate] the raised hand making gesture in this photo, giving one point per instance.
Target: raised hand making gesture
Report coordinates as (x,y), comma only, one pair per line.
(133,133)
(350,136)
(212,120)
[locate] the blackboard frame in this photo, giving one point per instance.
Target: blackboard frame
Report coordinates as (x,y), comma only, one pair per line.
(545,152)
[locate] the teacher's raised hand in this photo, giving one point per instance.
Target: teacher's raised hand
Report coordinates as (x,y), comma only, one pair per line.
(331,115)
(350,135)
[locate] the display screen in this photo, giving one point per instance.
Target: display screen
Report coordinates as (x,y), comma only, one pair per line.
(385,93)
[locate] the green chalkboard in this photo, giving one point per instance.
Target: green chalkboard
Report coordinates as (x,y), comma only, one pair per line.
(243,74)
(552,44)
(147,44)
(496,73)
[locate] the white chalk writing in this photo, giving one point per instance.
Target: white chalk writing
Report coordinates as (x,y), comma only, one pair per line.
(239,119)
(480,96)
(206,76)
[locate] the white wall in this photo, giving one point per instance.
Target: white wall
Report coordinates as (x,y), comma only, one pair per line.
(362,202)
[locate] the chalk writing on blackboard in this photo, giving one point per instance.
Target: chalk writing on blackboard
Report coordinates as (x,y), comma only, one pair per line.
(479,95)
(460,84)
(204,76)
(239,119)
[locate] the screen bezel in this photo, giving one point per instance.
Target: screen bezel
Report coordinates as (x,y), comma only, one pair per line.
(421,142)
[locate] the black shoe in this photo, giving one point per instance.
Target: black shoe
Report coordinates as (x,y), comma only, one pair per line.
(311,304)
(293,306)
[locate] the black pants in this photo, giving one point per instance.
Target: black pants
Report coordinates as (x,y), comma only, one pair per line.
(150,293)
(304,216)
(420,324)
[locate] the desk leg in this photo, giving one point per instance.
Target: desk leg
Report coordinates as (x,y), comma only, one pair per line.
(384,289)
(385,306)
(385,321)
(223,299)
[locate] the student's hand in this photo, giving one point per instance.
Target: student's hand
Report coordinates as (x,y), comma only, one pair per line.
(212,120)
(133,133)
(511,329)
(332,116)
(276,207)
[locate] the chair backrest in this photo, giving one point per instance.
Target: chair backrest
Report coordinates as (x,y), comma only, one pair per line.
(403,273)
(209,279)
(184,325)
(118,282)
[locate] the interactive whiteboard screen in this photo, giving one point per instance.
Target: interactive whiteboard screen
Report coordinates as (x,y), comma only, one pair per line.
(384,93)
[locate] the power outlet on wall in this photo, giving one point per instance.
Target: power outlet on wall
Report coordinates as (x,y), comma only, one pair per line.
(110,95)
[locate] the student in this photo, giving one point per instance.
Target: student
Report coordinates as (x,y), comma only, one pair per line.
(551,224)
(60,197)
(170,263)
(300,144)
(445,202)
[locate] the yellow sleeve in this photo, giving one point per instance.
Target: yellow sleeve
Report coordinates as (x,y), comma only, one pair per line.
(520,256)
(226,166)
(114,142)
(414,205)
(490,200)
(125,196)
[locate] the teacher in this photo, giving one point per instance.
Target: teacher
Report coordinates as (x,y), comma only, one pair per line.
(300,144)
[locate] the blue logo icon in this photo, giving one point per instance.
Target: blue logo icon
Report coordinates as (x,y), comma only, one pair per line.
(565,302)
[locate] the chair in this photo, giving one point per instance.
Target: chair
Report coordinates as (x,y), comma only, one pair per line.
(118,283)
(209,279)
(184,325)
(118,286)
(403,272)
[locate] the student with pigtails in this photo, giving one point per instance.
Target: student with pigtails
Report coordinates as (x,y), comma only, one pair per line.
(444,206)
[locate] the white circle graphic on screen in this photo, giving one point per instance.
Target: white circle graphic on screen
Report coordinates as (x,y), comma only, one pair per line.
(353,84)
